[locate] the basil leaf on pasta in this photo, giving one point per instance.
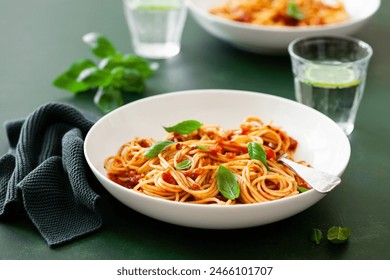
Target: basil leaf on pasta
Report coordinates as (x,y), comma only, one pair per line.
(185,164)
(302,189)
(294,12)
(202,147)
(257,152)
(157,148)
(184,127)
(227,183)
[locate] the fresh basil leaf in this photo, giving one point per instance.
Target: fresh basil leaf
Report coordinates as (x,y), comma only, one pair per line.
(137,63)
(79,65)
(94,77)
(108,99)
(157,148)
(67,82)
(100,45)
(128,80)
(185,164)
(184,127)
(202,147)
(115,74)
(257,152)
(68,79)
(294,12)
(302,189)
(110,62)
(227,183)
(338,235)
(127,61)
(316,235)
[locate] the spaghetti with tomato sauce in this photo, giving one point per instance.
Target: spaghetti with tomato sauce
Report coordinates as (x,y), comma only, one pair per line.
(187,170)
(283,12)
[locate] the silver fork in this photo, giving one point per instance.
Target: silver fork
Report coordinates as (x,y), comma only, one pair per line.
(320,181)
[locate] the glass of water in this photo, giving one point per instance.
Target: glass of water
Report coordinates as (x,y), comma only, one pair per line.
(330,74)
(156,26)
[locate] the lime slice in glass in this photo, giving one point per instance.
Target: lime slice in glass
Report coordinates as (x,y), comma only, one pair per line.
(158,5)
(330,76)
(157,8)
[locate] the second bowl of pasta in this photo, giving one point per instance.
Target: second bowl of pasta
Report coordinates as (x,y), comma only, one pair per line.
(264,26)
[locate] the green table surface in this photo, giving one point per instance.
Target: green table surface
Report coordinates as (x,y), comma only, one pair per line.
(39,39)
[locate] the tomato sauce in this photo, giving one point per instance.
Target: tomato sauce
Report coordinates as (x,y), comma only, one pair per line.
(132,178)
(167,177)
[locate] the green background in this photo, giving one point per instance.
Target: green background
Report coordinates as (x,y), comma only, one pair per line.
(39,39)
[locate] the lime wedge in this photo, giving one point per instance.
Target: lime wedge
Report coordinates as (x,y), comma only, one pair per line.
(330,76)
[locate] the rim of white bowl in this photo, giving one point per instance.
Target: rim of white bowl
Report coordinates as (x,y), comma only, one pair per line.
(228,91)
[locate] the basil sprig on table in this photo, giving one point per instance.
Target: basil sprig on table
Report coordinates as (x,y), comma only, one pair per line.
(227,183)
(294,12)
(257,152)
(338,235)
(335,234)
(316,235)
(184,127)
(113,75)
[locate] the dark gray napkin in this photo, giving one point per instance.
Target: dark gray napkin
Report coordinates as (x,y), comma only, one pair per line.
(45,174)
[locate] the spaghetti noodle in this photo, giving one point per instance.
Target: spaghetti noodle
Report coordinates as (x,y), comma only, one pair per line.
(283,12)
(186,170)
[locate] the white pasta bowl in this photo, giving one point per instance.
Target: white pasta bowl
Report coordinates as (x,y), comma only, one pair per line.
(273,39)
(321,143)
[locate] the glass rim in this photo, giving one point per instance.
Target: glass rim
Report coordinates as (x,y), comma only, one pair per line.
(358,42)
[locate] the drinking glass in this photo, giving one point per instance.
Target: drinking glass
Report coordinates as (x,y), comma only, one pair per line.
(156,26)
(330,75)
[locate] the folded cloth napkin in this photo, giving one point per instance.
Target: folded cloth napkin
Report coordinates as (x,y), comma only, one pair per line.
(45,174)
